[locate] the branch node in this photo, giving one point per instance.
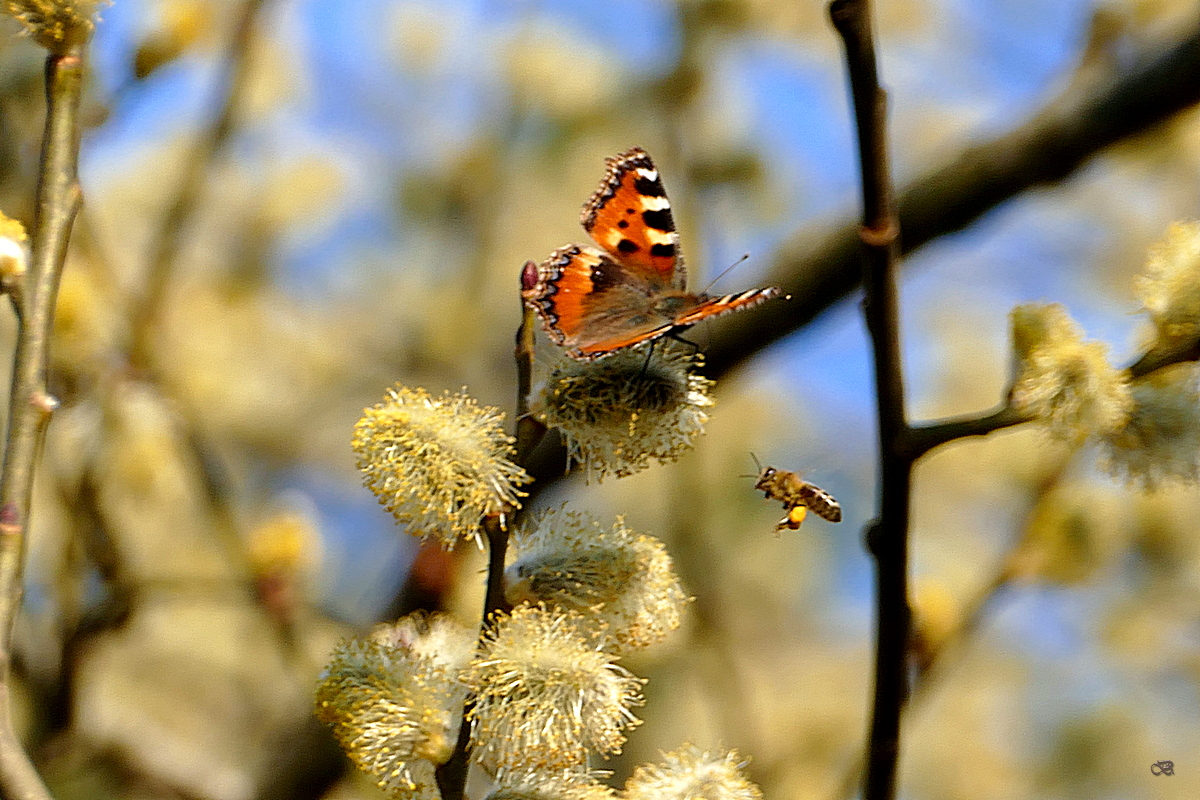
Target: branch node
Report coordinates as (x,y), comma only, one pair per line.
(45,403)
(884,235)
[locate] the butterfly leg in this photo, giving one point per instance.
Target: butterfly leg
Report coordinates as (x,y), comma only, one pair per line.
(646,363)
(673,334)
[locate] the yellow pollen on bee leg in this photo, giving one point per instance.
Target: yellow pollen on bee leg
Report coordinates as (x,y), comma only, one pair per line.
(796,515)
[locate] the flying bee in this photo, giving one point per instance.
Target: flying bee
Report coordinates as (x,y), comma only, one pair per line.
(797,495)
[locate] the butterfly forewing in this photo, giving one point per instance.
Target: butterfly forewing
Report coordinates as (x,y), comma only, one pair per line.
(630,217)
(716,306)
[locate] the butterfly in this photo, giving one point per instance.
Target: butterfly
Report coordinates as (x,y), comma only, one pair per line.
(631,290)
(798,497)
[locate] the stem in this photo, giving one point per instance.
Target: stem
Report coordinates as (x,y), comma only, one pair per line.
(924,437)
(30,404)
(887,535)
(452,775)
(1158,358)
(529,431)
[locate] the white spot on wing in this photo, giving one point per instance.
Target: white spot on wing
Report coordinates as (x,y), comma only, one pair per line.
(660,237)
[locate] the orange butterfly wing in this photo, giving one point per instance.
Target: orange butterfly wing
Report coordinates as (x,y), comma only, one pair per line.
(630,217)
(593,306)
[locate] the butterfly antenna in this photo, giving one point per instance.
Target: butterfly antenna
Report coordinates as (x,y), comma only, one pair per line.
(725,272)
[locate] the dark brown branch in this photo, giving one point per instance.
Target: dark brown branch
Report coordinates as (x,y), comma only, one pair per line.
(452,775)
(529,431)
(926,436)
(923,437)
(1064,135)
(30,405)
(887,535)
(1158,358)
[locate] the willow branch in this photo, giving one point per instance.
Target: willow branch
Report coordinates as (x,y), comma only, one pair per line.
(30,404)
(231,86)
(923,437)
(887,535)
(1159,357)
(1062,136)
(452,775)
(529,431)
(926,436)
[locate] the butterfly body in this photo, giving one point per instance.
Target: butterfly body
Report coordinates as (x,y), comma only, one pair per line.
(798,497)
(630,290)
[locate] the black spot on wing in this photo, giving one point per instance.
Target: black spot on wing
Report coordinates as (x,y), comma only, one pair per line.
(606,274)
(667,250)
(626,246)
(659,219)
(649,188)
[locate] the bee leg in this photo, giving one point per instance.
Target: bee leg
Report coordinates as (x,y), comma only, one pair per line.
(794,517)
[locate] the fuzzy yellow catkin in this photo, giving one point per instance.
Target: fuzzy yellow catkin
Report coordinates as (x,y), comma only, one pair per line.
(1061,380)
(1169,285)
(394,701)
(1161,440)
(545,694)
(551,786)
(621,412)
(625,580)
(55,24)
(439,464)
(689,773)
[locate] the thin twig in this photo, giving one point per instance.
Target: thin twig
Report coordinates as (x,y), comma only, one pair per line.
(452,775)
(30,404)
(926,436)
(529,432)
(887,535)
(1158,358)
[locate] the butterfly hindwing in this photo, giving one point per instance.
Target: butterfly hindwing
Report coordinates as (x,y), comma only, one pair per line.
(630,217)
(592,306)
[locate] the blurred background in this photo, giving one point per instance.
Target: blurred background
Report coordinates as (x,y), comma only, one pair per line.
(291,205)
